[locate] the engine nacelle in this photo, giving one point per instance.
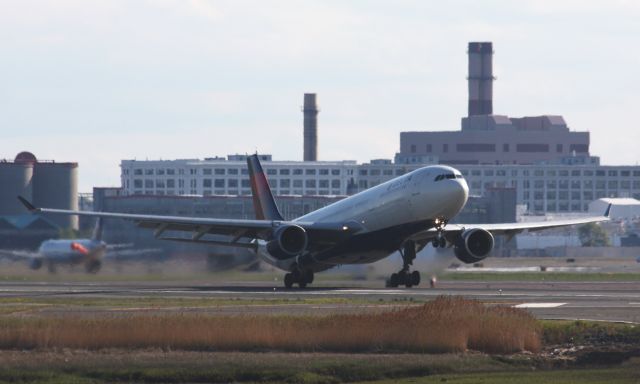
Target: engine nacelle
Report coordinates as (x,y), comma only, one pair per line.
(289,241)
(473,245)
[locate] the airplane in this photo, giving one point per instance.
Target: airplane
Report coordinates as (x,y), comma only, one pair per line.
(402,215)
(54,252)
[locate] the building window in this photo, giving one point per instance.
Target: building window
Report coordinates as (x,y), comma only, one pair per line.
(310,183)
(218,183)
(335,183)
(206,171)
(137,183)
(413,148)
(219,171)
(324,171)
(324,183)
(206,183)
(148,184)
(429,148)
(335,172)
(137,171)
(532,147)
(233,183)
(284,171)
(245,184)
(475,147)
(297,184)
(297,171)
(559,148)
(232,171)
(309,171)
(171,183)
(148,171)
(445,147)
(285,183)
(272,171)
(160,172)
(505,147)
(171,171)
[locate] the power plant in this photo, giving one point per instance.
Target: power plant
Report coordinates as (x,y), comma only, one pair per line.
(310,111)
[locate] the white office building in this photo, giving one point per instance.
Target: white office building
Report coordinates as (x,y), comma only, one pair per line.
(541,188)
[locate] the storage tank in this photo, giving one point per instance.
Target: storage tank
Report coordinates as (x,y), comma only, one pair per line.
(15,180)
(55,185)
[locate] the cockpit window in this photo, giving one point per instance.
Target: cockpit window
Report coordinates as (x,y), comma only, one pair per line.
(448,176)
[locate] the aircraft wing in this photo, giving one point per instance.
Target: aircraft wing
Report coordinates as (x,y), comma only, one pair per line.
(16,254)
(510,229)
(241,232)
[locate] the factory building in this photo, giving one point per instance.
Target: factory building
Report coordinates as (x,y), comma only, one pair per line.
(45,183)
(486,138)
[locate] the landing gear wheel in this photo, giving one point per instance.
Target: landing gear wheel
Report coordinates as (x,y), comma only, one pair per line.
(302,284)
(288,280)
(442,242)
(394,280)
(308,277)
(414,277)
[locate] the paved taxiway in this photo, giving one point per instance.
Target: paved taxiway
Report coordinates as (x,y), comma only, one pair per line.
(610,301)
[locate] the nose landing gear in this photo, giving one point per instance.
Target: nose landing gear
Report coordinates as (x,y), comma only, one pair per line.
(440,241)
(404,276)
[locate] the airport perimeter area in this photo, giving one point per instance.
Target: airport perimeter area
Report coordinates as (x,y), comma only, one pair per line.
(585,320)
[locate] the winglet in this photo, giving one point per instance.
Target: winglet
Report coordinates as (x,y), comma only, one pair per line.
(606,213)
(30,207)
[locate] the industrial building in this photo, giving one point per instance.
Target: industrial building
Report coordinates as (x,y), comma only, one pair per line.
(45,183)
(548,166)
(486,138)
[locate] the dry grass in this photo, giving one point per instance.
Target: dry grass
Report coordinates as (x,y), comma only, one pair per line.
(447,324)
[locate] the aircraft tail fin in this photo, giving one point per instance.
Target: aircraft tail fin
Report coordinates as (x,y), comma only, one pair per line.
(263,202)
(97,230)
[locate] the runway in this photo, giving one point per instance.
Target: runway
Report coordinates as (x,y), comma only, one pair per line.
(606,301)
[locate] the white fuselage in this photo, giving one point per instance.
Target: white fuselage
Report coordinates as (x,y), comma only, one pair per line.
(384,210)
(64,251)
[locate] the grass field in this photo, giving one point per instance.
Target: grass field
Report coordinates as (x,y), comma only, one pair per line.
(382,347)
(446,324)
(155,366)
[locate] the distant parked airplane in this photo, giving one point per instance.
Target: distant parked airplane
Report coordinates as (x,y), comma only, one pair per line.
(404,214)
(89,252)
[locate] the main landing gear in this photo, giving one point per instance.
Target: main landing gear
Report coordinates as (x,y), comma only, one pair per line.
(404,276)
(302,278)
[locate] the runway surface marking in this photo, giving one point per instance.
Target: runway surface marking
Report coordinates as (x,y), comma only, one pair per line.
(539,305)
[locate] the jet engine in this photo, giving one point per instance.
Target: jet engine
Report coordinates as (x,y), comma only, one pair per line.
(473,245)
(288,241)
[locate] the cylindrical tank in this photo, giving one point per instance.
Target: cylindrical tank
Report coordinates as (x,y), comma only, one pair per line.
(15,180)
(310,111)
(55,185)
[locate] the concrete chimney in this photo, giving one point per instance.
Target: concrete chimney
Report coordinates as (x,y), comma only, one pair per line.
(480,78)
(310,112)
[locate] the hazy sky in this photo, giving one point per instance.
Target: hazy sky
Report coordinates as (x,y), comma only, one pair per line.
(100,81)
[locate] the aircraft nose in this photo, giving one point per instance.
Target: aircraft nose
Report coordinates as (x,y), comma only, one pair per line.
(460,192)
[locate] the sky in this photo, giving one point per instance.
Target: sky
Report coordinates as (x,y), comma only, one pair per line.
(100,81)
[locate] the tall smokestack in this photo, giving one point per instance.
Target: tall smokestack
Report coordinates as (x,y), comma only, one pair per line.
(310,111)
(480,78)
